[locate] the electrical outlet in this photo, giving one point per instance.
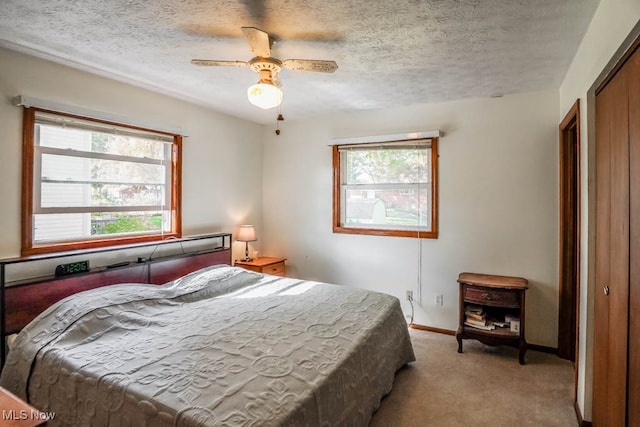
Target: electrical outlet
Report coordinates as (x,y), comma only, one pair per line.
(439,299)
(409,295)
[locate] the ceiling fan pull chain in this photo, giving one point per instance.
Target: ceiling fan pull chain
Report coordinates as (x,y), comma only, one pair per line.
(279,119)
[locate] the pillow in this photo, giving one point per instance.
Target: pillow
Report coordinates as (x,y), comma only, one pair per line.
(10,340)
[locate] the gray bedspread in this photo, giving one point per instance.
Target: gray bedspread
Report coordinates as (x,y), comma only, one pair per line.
(221,346)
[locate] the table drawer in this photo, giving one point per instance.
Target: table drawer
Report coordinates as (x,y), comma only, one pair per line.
(495,297)
(277,269)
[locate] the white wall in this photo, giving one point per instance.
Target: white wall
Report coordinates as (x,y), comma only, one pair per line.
(612,22)
(498,205)
(222,156)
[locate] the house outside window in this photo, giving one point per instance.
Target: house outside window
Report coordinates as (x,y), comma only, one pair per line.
(386,188)
(90,183)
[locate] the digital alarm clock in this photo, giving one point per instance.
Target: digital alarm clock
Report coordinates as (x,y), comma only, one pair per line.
(72,268)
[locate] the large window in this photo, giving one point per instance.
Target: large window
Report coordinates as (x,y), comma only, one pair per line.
(89,183)
(386,188)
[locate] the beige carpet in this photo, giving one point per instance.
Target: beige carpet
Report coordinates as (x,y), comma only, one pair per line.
(484,386)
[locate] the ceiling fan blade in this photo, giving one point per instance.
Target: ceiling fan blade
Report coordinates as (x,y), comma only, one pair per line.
(214,63)
(319,66)
(258,40)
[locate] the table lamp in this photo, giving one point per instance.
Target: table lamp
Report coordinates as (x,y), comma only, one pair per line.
(247,233)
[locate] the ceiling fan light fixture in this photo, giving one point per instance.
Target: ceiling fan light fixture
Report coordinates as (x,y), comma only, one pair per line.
(264,95)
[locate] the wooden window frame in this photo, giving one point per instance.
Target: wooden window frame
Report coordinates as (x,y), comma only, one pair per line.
(337,202)
(28,158)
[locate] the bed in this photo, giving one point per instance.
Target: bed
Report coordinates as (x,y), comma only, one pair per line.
(219,346)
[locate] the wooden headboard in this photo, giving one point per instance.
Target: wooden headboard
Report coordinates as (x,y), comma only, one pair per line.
(24,302)
(21,303)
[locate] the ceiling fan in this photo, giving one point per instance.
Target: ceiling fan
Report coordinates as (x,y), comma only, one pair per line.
(266,93)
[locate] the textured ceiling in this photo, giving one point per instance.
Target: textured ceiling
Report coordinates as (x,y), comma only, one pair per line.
(389,52)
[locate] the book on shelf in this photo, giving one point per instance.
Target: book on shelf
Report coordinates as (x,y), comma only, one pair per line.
(487,327)
(476,322)
(477,309)
(475,316)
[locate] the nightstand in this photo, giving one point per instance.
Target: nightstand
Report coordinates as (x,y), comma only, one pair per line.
(15,412)
(265,264)
(495,299)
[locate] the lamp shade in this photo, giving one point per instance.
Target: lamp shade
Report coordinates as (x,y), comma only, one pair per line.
(264,95)
(246,233)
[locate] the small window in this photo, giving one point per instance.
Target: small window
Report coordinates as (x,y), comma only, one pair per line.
(386,188)
(90,183)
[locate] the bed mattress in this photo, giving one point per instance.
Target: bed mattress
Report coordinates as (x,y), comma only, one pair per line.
(220,346)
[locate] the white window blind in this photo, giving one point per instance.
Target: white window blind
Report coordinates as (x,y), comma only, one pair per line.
(93,180)
(386,185)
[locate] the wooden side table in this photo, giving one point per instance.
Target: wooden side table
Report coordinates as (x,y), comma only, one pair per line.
(16,413)
(264,264)
(494,299)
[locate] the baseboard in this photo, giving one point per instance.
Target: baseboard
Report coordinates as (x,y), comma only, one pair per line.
(542,348)
(432,329)
(581,422)
(535,347)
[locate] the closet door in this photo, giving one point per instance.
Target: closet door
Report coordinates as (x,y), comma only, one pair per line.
(612,253)
(633,404)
